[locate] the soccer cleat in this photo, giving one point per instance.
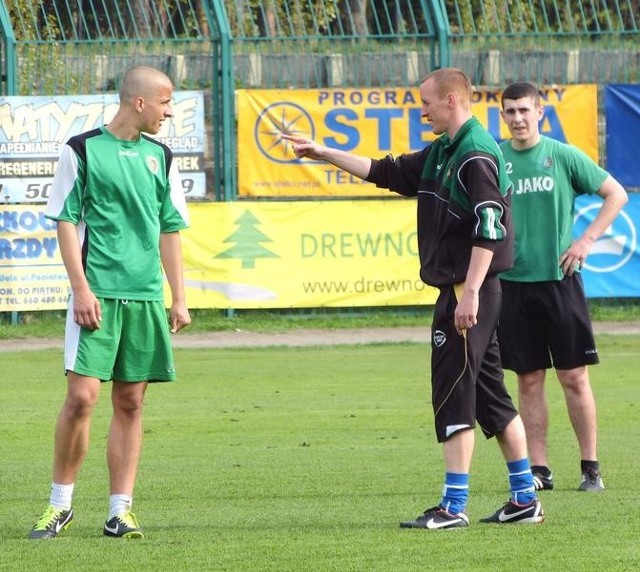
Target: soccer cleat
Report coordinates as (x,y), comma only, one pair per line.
(591,481)
(437,518)
(542,481)
(123,525)
(512,513)
(52,523)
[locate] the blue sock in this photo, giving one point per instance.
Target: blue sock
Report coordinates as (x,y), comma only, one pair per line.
(521,484)
(455,492)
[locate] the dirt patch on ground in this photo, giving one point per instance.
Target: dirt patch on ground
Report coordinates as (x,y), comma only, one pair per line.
(300,337)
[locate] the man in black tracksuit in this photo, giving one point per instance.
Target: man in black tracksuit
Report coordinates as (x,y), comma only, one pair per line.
(465,237)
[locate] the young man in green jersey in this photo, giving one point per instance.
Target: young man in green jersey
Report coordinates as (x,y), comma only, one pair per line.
(119,205)
(464,240)
(545,319)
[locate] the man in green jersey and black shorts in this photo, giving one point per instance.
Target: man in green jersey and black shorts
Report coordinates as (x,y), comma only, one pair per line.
(545,319)
(119,205)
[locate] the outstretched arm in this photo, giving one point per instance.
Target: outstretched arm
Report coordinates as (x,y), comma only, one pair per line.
(355,164)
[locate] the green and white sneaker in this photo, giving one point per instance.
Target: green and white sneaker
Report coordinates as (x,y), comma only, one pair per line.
(51,523)
(123,525)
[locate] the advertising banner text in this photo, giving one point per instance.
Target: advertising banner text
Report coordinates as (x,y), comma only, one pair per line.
(372,123)
(33,130)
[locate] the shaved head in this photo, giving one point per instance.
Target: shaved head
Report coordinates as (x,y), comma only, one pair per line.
(145,103)
(143,82)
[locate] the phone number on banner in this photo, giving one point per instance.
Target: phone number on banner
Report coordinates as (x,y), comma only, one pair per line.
(37,189)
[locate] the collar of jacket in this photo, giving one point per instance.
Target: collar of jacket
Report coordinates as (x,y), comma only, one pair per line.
(469,124)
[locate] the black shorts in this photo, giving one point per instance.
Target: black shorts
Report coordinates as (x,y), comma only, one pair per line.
(467,381)
(545,324)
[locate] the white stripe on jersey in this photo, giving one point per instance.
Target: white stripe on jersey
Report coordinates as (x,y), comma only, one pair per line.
(71,338)
(63,181)
(491,223)
(177,192)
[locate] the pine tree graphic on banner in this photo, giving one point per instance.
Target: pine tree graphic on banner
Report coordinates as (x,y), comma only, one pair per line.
(247,239)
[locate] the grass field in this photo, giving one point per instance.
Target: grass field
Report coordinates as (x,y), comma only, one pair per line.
(51,324)
(306,459)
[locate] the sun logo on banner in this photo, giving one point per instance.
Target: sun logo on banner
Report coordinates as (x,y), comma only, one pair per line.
(277,119)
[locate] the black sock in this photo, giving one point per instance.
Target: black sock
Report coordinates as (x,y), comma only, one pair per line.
(593,465)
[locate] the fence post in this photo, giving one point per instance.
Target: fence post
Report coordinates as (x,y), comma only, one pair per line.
(413,65)
(9,65)
(224,143)
(493,67)
(438,12)
(573,66)
(336,70)
(255,70)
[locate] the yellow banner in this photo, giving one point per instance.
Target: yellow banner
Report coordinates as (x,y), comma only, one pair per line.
(373,123)
(247,255)
(303,254)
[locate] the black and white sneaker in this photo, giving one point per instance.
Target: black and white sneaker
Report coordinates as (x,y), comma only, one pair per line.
(542,479)
(591,481)
(437,518)
(512,513)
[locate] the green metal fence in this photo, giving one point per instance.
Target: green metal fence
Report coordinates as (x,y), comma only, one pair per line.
(316,43)
(546,41)
(52,47)
(84,47)
(361,43)
(7,52)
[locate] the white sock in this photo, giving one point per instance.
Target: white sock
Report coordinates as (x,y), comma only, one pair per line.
(61,496)
(119,504)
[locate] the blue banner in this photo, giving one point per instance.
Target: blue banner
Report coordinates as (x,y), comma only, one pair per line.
(622,114)
(612,269)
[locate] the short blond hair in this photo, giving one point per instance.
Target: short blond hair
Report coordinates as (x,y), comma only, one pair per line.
(447,80)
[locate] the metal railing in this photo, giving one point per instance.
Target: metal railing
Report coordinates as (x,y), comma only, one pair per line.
(73,47)
(546,41)
(50,47)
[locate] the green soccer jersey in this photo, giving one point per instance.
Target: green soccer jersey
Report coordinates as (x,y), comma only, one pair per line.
(121,195)
(546,180)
